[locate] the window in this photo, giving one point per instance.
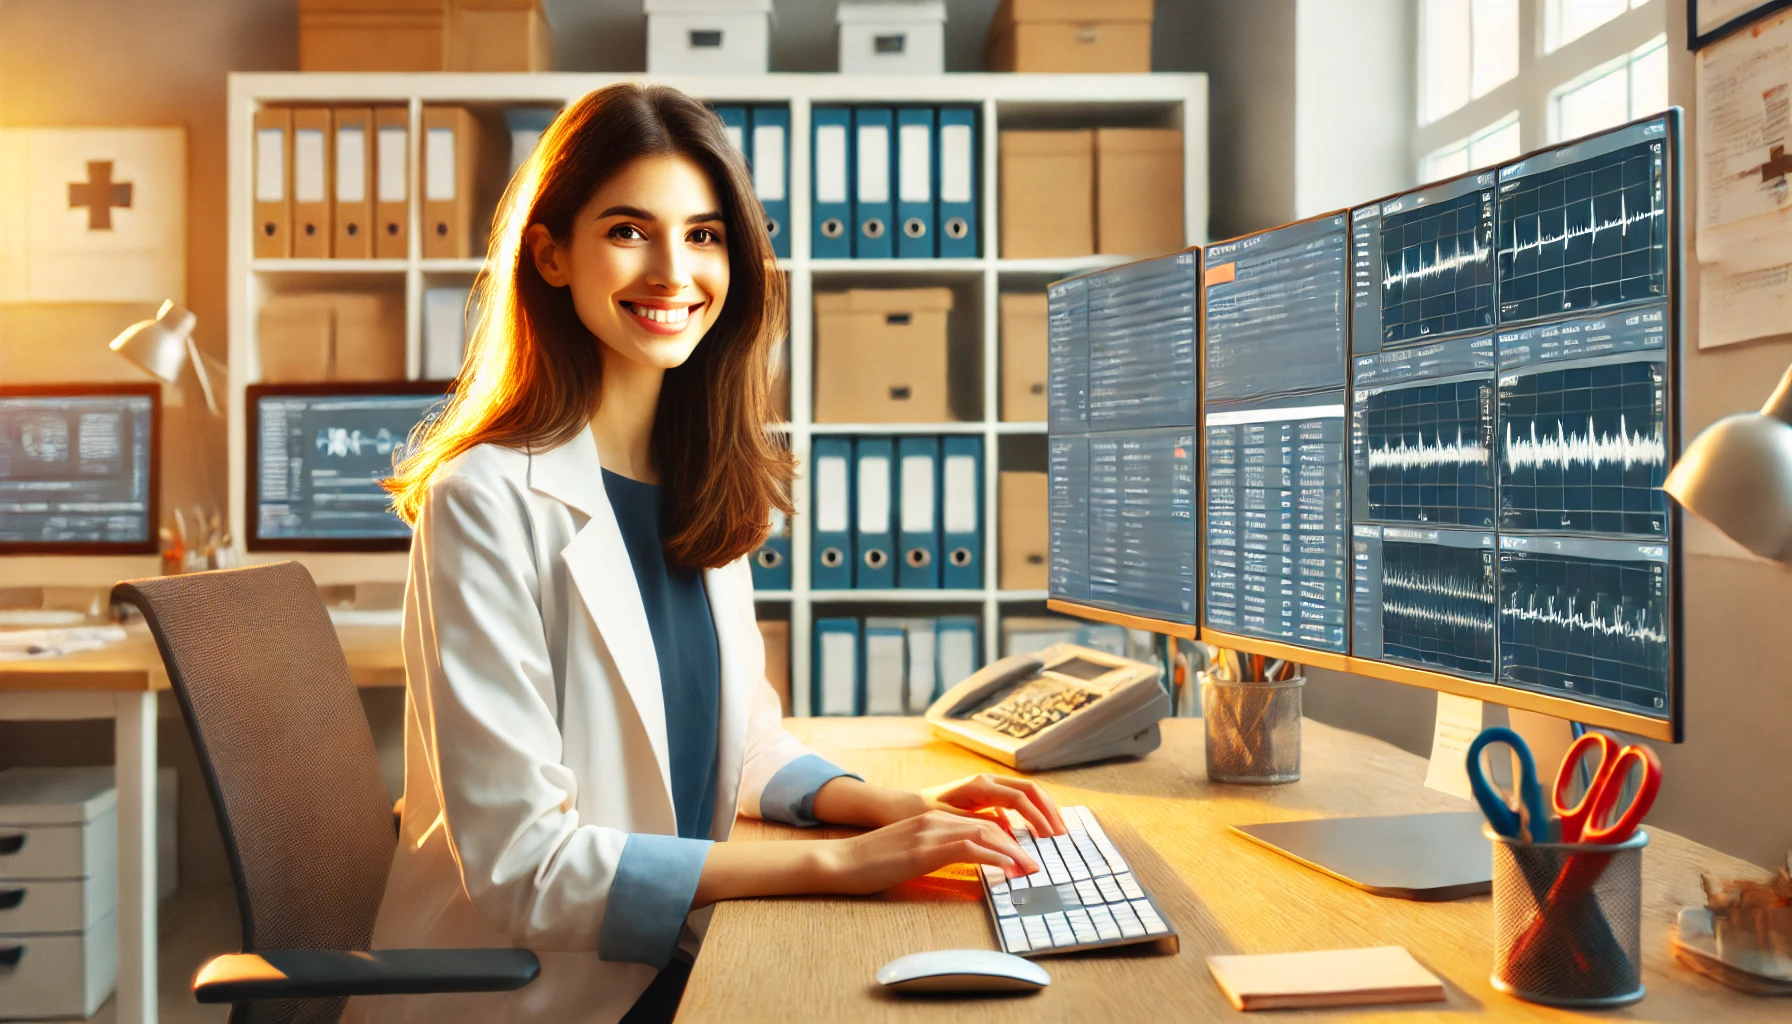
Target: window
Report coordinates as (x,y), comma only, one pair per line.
(1494,144)
(1628,88)
(1499,77)
(1471,47)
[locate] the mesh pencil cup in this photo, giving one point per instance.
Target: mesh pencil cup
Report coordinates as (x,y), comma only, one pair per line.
(1253,730)
(1568,921)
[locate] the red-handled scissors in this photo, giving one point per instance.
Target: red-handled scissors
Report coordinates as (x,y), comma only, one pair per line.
(1582,822)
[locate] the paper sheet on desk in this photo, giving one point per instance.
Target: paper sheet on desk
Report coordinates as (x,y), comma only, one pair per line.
(1458,723)
(1744,86)
(22,644)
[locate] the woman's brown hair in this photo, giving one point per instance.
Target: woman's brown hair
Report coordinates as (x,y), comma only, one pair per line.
(530,380)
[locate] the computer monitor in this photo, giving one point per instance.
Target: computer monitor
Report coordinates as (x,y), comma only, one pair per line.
(1121,446)
(318,455)
(1512,405)
(79,469)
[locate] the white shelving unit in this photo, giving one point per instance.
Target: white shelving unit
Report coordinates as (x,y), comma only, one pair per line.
(1005,101)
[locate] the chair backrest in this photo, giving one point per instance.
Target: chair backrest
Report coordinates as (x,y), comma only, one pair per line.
(287,754)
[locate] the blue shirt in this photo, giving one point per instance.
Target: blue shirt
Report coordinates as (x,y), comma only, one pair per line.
(656,877)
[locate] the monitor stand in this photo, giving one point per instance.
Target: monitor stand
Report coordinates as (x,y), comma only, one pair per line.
(1425,857)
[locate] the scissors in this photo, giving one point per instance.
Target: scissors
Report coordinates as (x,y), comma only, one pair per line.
(1581,821)
(1524,818)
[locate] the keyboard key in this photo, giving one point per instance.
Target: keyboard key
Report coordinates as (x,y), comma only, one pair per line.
(1018,883)
(1105,926)
(1128,921)
(1148,917)
(1068,897)
(1038,937)
(1004,904)
(1088,893)
(1060,930)
(1130,887)
(1054,870)
(1014,937)
(1109,889)
(1082,927)
(999,887)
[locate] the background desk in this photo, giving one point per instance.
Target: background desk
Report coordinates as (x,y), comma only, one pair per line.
(121,682)
(812,959)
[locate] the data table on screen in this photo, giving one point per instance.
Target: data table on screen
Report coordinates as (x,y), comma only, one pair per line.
(75,470)
(1589,618)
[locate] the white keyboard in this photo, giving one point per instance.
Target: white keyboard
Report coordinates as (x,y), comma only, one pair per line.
(1083,897)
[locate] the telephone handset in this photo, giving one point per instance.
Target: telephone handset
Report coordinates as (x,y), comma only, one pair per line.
(1061,706)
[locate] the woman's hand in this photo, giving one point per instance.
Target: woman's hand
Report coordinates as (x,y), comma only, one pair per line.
(982,792)
(867,863)
(877,860)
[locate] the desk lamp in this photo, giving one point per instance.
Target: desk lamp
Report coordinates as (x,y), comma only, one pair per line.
(161,346)
(1737,476)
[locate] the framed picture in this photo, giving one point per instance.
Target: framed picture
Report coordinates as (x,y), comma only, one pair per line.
(1710,20)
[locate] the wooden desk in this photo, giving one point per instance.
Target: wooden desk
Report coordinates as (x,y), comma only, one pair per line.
(120,682)
(812,959)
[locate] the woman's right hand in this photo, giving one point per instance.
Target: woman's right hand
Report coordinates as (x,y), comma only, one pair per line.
(889,856)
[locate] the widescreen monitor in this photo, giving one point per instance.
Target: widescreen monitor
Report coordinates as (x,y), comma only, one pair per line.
(318,456)
(79,468)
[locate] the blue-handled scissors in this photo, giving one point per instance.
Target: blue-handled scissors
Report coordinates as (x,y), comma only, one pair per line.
(1525,818)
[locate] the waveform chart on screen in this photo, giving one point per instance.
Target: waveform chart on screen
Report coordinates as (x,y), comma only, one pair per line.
(1589,617)
(1427,453)
(1438,605)
(1437,268)
(1584,449)
(1587,231)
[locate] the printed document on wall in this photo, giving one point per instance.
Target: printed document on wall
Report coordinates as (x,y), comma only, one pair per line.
(1742,305)
(1744,86)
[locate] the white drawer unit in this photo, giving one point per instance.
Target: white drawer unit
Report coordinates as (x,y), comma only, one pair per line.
(892,37)
(58,823)
(58,974)
(708,37)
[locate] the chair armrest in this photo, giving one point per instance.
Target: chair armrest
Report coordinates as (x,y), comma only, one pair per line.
(321,973)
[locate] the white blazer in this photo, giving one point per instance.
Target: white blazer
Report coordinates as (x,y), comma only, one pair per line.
(535,733)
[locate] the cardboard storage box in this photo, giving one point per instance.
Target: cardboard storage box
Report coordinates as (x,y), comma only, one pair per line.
(424,35)
(1048,194)
(880,356)
(1138,191)
(1023,356)
(322,336)
(775,633)
(1070,35)
(1024,542)
(904,37)
(708,37)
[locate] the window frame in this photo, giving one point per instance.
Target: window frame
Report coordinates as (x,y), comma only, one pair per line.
(1541,78)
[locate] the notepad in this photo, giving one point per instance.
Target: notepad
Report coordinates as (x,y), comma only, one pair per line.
(1339,977)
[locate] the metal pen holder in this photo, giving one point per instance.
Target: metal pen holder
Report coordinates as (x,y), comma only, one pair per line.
(1253,730)
(1568,921)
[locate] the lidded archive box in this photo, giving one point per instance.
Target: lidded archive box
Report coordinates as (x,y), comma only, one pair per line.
(1070,35)
(708,37)
(880,356)
(58,891)
(903,37)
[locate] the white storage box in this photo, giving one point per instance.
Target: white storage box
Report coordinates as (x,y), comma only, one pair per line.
(708,37)
(63,823)
(902,37)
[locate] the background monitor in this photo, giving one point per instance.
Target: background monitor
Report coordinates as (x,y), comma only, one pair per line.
(1512,408)
(318,455)
(79,468)
(1122,447)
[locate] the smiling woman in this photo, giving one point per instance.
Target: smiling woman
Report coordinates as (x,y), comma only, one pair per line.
(586,704)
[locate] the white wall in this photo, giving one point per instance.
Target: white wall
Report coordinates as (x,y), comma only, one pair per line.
(1353,87)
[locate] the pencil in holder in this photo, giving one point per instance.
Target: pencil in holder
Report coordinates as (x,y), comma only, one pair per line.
(1253,730)
(1568,921)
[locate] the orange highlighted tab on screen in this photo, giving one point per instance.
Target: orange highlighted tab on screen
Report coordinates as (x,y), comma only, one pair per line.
(1222,274)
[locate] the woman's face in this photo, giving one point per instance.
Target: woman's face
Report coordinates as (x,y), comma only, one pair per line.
(646,260)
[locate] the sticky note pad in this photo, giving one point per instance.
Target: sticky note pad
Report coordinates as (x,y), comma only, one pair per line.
(1340,977)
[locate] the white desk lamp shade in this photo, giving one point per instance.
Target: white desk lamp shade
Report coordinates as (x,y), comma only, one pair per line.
(164,345)
(1737,476)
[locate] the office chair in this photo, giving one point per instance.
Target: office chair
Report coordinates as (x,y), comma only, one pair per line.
(290,765)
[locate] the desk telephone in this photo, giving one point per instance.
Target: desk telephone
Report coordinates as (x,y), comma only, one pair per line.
(1061,706)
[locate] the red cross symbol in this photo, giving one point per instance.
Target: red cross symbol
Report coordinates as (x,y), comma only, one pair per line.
(99,193)
(1778,165)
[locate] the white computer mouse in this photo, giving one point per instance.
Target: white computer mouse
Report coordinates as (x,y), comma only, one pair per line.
(962,970)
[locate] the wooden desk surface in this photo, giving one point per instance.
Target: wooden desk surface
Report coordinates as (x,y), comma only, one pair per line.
(133,664)
(813,958)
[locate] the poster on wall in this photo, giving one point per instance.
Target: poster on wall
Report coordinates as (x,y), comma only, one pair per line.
(93,214)
(1710,20)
